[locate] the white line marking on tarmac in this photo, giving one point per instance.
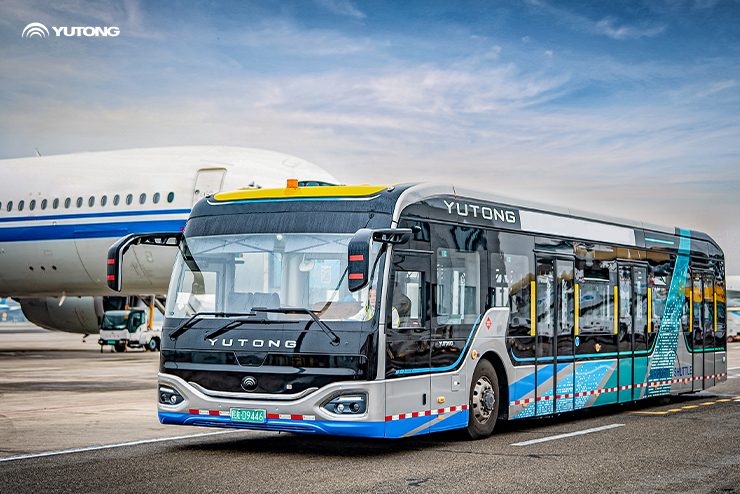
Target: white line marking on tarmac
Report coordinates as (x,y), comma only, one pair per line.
(110,446)
(570,434)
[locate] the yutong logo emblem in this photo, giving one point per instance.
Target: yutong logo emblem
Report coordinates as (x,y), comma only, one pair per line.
(35,29)
(38,29)
(484,212)
(252,343)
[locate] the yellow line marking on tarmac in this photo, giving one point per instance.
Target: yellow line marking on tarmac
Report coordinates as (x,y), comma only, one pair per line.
(648,413)
(722,401)
(691,406)
(707,403)
(675,410)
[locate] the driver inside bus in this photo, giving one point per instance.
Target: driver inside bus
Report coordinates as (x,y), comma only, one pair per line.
(368,310)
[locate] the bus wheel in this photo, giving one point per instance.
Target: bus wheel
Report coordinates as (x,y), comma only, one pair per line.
(153,345)
(484,401)
(120,347)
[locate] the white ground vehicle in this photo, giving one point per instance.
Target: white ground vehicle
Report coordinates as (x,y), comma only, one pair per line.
(128,328)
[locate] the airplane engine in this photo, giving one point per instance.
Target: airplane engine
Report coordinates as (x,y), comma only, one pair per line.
(74,315)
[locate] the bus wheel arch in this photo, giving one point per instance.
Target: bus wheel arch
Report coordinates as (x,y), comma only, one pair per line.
(484,400)
(503,383)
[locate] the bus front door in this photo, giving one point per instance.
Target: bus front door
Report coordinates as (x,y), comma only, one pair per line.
(408,343)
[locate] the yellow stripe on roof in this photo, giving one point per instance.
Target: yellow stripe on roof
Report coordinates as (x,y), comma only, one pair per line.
(300,192)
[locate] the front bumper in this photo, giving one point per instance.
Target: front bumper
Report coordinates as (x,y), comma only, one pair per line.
(302,415)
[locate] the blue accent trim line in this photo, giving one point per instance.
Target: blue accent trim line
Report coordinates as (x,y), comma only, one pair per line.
(564,357)
(449,367)
(93,215)
(658,241)
(90,230)
(357,429)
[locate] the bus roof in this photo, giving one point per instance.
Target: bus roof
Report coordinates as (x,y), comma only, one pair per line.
(536,217)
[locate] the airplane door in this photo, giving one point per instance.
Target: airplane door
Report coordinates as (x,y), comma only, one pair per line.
(208,181)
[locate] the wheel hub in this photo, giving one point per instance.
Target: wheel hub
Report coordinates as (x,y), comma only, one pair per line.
(484,399)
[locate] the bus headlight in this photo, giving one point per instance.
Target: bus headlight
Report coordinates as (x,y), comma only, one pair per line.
(349,404)
(168,396)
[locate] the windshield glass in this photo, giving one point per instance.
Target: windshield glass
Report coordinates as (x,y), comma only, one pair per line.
(234,273)
(115,320)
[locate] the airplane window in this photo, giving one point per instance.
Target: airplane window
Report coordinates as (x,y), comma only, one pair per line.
(55,204)
(43,204)
(67,203)
(104,200)
(1,205)
(32,204)
(91,201)
(155,198)
(170,197)
(79,202)
(116,199)
(129,199)
(20,205)
(142,198)
(10,206)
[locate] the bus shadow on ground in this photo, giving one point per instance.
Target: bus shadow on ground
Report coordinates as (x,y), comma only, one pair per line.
(316,445)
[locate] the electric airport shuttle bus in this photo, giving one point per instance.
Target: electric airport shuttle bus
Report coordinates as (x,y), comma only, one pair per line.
(402,310)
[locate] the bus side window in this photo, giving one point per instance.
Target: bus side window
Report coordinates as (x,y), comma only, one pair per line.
(407,298)
(510,287)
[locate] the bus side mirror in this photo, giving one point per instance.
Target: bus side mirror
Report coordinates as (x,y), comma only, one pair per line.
(358,251)
(118,249)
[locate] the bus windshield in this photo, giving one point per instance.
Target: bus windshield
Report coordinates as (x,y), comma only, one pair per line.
(235,273)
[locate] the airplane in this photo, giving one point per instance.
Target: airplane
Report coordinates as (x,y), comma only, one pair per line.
(60,214)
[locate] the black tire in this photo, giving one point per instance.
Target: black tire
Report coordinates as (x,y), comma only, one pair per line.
(119,347)
(482,413)
(153,345)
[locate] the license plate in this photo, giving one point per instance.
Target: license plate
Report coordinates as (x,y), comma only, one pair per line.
(246,415)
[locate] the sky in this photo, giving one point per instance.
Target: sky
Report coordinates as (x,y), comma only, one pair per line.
(626,108)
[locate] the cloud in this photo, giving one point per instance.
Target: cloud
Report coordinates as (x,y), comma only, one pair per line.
(715,88)
(606,26)
(341,7)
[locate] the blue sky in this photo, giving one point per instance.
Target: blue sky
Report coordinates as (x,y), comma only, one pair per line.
(630,108)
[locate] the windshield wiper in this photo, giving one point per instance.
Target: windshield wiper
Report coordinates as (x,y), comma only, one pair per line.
(198,316)
(229,326)
(302,310)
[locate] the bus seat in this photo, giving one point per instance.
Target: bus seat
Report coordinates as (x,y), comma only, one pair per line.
(266,300)
(239,302)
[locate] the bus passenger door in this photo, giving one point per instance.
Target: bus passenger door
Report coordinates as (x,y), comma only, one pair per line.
(408,341)
(639,337)
(709,328)
(545,357)
(698,332)
(565,324)
(555,324)
(625,334)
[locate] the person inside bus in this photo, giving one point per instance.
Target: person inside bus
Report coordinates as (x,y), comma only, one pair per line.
(368,310)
